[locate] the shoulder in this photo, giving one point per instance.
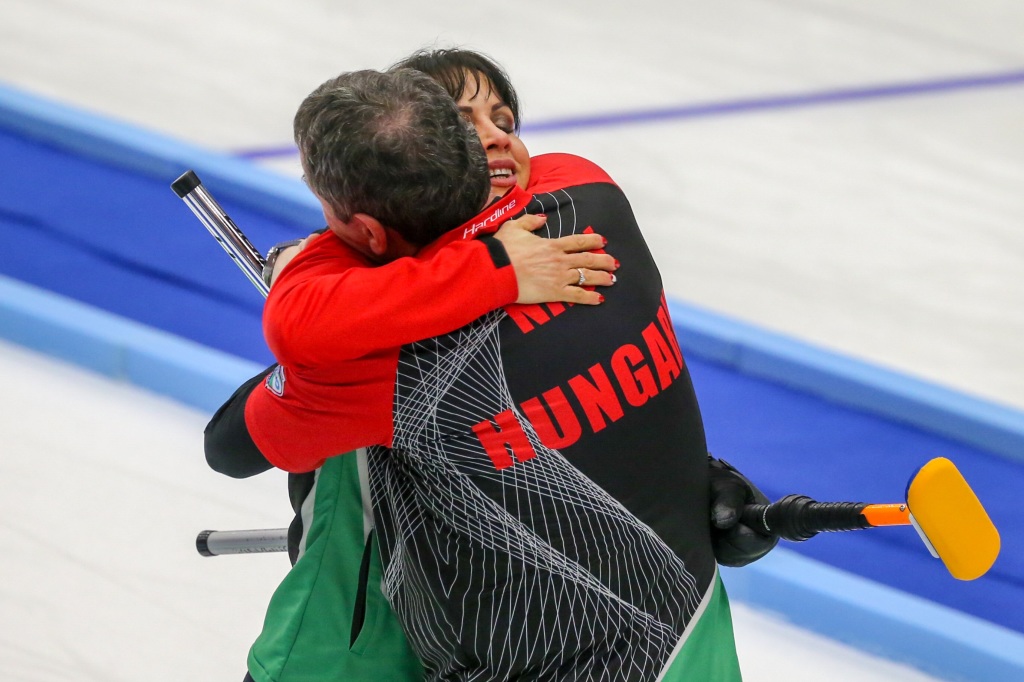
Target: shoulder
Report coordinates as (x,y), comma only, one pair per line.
(555,171)
(329,245)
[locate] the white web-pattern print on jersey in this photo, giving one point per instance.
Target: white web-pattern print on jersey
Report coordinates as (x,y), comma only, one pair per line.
(592,593)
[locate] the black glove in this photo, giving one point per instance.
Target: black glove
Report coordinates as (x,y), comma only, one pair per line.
(734,543)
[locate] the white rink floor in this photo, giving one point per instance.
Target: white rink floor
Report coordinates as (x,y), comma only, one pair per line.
(888,229)
(101,580)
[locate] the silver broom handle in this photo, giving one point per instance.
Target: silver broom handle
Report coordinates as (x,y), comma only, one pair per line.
(190,189)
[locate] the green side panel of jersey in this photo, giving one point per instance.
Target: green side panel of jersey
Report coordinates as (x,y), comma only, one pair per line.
(709,652)
(307,632)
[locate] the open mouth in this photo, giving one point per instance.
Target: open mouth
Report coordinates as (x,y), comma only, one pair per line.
(502,177)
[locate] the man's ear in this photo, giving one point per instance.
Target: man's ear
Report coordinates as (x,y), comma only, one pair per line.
(362,232)
(371,233)
(385,243)
(367,235)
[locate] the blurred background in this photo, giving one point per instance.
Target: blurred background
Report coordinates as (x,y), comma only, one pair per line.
(846,175)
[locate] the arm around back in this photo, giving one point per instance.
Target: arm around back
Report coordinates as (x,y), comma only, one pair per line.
(331,304)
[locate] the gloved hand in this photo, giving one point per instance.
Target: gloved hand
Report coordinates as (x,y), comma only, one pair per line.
(734,543)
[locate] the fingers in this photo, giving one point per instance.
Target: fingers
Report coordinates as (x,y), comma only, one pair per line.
(575,294)
(575,243)
(726,503)
(583,292)
(528,222)
(740,546)
(592,261)
(549,270)
(592,278)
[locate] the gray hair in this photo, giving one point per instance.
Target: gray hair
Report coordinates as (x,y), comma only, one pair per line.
(394,146)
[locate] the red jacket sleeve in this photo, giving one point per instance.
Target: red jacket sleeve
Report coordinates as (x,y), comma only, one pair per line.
(331,306)
(336,323)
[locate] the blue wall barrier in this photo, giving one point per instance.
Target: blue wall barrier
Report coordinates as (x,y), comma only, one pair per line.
(787,361)
(118,347)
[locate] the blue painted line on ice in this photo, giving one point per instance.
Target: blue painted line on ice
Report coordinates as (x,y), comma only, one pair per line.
(741,106)
(776,102)
(268,152)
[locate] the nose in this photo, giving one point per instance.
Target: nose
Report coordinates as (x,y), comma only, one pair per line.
(493,137)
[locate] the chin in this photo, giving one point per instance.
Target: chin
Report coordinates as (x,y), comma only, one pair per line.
(497,193)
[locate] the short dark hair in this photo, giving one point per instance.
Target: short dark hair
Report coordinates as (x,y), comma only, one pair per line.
(394,146)
(455,68)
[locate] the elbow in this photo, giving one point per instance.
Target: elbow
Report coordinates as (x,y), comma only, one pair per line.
(236,457)
(227,444)
(222,462)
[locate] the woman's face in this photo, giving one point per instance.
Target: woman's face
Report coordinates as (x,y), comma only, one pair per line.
(507,158)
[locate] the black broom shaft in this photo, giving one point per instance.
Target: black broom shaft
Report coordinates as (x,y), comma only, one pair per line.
(798,517)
